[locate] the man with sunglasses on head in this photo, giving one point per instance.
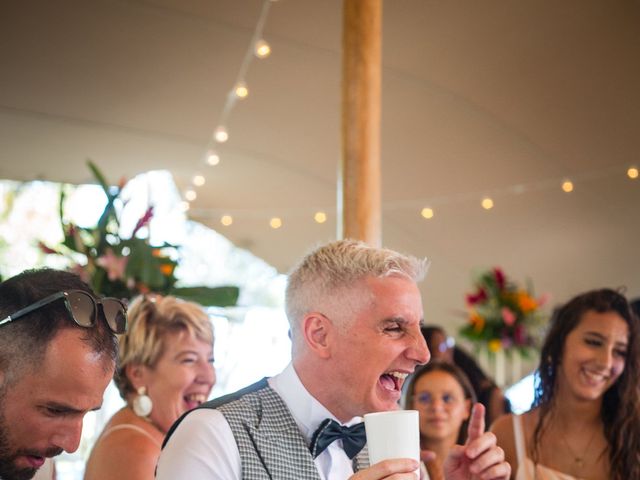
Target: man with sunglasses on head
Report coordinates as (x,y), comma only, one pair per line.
(57,356)
(355,313)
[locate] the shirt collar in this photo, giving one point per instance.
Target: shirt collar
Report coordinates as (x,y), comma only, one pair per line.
(307,412)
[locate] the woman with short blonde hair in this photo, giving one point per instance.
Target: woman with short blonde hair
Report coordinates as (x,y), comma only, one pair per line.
(165,368)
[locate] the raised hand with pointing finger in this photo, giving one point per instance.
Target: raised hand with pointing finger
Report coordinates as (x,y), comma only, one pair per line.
(479,458)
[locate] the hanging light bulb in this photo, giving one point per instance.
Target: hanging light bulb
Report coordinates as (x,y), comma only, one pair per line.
(198,180)
(221,135)
(241,90)
(567,186)
(212,158)
(320,217)
(427,212)
(226,220)
(632,173)
(184,206)
(487,203)
(262,49)
(275,222)
(190,195)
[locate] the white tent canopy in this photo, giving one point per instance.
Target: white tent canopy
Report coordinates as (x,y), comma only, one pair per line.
(495,98)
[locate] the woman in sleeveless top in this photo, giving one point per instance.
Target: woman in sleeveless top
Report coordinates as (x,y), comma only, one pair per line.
(443,396)
(165,367)
(585,421)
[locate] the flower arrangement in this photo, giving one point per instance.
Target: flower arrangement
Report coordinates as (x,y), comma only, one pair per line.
(125,267)
(501,314)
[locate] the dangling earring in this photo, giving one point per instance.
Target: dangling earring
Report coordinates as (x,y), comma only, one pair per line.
(142,404)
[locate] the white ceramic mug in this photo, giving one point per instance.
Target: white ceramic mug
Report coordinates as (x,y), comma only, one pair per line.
(393,434)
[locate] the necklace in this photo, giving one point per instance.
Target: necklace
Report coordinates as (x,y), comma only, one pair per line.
(579,460)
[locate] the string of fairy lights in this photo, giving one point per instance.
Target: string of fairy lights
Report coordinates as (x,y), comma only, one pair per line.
(260,49)
(427,208)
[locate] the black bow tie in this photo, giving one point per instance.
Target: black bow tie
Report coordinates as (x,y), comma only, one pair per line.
(353,438)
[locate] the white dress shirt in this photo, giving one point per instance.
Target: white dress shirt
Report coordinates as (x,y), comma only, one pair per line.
(203,446)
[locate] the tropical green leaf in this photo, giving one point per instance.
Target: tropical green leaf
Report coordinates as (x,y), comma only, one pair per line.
(143,265)
(99,177)
(208,296)
(109,212)
(124,268)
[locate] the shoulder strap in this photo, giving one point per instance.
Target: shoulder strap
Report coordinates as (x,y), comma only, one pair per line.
(518,433)
(129,426)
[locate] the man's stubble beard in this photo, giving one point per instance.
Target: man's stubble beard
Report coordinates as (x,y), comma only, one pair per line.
(8,470)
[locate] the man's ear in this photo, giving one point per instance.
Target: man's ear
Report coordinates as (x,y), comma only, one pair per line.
(317,331)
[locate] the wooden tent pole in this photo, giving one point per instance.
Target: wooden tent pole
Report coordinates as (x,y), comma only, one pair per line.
(359,177)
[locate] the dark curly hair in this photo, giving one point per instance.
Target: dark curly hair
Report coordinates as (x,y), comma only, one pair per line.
(621,402)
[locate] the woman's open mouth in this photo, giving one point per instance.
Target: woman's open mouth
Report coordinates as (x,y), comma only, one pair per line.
(195,399)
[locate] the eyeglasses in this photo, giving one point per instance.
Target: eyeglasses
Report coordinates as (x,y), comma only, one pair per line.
(83,309)
(425,398)
(447,344)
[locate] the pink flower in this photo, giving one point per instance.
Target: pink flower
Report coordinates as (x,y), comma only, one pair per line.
(508,316)
(544,298)
(113,264)
(81,272)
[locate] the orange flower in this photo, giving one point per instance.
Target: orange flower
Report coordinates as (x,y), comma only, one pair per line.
(477,321)
(166,269)
(526,303)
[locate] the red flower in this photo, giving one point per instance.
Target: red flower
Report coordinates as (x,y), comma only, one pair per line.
(144,220)
(499,275)
(46,249)
(519,335)
(479,297)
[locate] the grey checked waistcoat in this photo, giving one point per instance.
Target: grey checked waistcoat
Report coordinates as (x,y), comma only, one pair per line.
(268,438)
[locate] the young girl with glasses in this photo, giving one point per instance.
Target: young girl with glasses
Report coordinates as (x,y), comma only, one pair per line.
(443,396)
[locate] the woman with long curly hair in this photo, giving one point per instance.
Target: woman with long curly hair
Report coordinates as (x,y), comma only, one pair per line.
(585,420)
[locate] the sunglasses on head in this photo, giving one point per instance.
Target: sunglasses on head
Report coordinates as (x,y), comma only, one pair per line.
(83,309)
